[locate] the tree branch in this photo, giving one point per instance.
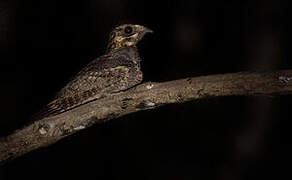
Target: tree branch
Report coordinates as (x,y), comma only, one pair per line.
(145,96)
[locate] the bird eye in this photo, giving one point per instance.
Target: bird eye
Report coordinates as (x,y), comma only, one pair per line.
(128,30)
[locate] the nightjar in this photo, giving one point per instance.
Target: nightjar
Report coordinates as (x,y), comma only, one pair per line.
(117,70)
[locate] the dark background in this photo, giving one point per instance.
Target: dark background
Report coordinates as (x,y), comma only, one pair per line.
(44,43)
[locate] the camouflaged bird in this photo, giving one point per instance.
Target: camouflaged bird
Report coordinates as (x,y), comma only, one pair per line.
(117,70)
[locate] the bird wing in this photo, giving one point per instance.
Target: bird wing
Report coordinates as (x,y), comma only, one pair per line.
(98,79)
(107,82)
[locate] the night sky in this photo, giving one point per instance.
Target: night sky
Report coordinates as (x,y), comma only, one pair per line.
(44,43)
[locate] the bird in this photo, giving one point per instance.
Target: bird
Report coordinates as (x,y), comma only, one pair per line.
(117,70)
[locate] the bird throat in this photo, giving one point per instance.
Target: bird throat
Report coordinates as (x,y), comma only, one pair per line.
(118,43)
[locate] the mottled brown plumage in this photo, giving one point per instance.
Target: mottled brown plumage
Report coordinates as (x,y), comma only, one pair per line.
(117,70)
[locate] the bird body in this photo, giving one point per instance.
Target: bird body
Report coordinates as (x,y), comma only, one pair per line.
(119,69)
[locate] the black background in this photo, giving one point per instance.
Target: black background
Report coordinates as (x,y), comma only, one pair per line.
(44,43)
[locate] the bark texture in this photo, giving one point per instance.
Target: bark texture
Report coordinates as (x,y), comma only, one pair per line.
(149,95)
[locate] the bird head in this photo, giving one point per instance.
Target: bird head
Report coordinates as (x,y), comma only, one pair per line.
(127,35)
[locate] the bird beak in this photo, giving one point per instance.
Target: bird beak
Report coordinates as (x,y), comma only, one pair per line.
(142,31)
(147,30)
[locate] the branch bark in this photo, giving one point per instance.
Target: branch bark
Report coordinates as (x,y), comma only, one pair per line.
(149,95)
